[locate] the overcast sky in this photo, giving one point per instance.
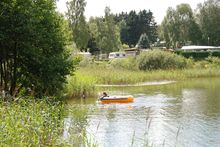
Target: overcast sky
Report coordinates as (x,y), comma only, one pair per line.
(158,7)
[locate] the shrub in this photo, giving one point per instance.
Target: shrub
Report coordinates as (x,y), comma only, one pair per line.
(198,55)
(216,53)
(123,63)
(160,60)
(201,64)
(86,61)
(125,46)
(214,60)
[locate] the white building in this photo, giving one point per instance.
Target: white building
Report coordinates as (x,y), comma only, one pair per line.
(199,48)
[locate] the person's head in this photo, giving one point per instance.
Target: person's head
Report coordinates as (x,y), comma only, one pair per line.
(104,93)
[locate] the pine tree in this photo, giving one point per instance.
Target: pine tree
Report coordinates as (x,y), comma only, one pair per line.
(143,42)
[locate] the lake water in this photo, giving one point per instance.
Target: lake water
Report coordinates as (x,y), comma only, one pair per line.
(181,113)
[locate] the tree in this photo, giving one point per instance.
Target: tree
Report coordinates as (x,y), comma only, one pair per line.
(179,26)
(112,36)
(143,42)
(105,32)
(170,30)
(77,23)
(208,17)
(148,25)
(33,37)
(134,24)
(133,30)
(124,35)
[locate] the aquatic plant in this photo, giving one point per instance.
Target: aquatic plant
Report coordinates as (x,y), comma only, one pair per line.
(30,122)
(81,86)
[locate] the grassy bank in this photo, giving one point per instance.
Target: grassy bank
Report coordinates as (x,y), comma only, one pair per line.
(41,123)
(86,78)
(149,66)
(120,76)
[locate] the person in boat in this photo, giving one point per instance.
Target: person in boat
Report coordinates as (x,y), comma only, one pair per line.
(104,94)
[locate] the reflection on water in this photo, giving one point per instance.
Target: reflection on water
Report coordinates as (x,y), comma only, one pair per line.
(179,114)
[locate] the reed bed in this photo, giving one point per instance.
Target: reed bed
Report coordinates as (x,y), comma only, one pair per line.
(81,86)
(119,76)
(33,122)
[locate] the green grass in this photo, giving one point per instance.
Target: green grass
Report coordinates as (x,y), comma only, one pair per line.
(82,84)
(120,76)
(40,123)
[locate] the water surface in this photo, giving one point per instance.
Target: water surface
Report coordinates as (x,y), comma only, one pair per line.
(184,113)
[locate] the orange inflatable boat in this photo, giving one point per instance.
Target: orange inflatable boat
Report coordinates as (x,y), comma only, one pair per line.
(117,99)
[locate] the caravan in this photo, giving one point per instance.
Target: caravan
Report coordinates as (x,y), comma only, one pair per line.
(114,55)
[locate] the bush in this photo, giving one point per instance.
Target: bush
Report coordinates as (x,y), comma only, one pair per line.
(201,64)
(123,63)
(160,60)
(214,60)
(198,55)
(86,61)
(125,46)
(216,53)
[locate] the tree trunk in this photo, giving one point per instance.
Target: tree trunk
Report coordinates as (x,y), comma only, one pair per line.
(5,81)
(14,72)
(1,74)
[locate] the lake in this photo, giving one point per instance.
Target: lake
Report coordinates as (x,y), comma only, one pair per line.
(181,113)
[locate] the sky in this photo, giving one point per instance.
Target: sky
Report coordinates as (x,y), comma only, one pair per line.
(158,7)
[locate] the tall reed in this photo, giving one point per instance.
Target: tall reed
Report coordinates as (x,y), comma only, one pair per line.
(124,71)
(33,122)
(81,85)
(120,76)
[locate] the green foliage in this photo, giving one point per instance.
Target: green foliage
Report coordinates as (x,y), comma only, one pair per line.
(214,60)
(86,61)
(33,47)
(31,122)
(134,24)
(143,42)
(182,26)
(179,27)
(123,76)
(123,63)
(153,60)
(209,21)
(216,54)
(80,85)
(125,46)
(198,55)
(105,32)
(201,64)
(77,23)
(110,75)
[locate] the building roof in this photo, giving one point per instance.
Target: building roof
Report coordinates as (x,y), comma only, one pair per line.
(131,49)
(194,47)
